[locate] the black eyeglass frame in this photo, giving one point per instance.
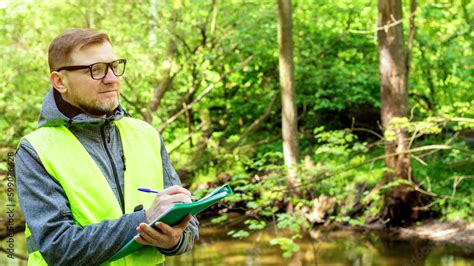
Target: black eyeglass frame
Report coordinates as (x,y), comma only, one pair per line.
(109,65)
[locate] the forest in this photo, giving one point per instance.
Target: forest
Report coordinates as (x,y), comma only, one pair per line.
(352,114)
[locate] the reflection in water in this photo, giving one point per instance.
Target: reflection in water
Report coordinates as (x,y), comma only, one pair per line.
(333,248)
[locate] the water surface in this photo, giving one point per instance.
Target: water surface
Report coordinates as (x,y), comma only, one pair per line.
(332,248)
(341,247)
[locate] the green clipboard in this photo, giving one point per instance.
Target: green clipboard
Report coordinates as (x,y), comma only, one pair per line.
(175,214)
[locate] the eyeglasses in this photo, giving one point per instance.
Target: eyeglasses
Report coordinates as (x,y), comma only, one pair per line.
(99,70)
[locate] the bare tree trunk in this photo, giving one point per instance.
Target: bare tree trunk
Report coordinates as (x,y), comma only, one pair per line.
(393,82)
(401,201)
(287,88)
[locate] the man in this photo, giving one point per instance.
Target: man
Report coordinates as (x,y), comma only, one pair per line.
(78,172)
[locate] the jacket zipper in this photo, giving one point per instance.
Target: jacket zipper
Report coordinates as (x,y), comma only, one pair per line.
(114,170)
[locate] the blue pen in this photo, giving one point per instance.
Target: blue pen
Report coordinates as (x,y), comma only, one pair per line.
(147,190)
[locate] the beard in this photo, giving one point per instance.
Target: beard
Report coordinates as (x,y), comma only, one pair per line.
(98,108)
(94,103)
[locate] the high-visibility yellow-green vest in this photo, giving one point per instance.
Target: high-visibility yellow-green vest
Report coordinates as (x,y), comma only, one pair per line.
(90,196)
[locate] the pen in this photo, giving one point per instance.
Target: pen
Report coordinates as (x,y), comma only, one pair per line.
(147,190)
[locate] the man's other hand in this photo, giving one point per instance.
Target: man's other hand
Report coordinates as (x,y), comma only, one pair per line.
(165,237)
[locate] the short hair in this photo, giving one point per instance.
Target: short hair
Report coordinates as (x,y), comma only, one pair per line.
(60,49)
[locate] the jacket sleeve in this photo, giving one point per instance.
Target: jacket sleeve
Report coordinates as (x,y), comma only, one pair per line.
(53,232)
(191,233)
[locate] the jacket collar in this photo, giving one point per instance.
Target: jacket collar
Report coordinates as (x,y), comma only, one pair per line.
(64,107)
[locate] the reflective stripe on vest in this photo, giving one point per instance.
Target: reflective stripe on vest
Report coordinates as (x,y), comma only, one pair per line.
(90,196)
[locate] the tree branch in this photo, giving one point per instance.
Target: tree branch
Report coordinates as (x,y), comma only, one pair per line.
(256,123)
(365,130)
(201,96)
(383,27)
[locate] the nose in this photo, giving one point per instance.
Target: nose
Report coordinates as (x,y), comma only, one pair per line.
(110,77)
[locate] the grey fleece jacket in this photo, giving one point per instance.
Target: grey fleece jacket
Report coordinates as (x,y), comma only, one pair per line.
(47,209)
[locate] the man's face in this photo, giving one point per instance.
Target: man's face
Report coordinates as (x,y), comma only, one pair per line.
(94,97)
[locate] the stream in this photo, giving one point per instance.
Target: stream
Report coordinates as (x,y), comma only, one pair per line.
(341,247)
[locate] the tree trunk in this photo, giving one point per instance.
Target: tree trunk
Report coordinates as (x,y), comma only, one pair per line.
(287,88)
(393,82)
(401,201)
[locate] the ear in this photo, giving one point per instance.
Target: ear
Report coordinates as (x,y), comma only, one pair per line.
(57,81)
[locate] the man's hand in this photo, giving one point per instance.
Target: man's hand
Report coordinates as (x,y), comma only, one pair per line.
(165,199)
(166,237)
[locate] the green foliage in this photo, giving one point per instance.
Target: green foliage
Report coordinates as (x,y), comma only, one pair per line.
(342,159)
(238,233)
(359,221)
(219,219)
(288,245)
(255,224)
(292,222)
(448,175)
